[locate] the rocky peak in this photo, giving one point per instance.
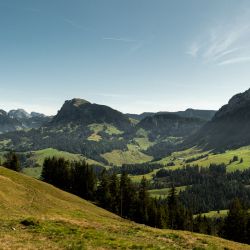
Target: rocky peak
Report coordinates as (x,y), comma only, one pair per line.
(19,114)
(3,113)
(237,103)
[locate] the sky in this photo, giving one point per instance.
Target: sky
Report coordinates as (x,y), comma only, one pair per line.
(133,55)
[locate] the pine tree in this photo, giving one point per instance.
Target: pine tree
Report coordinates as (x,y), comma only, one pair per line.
(115,194)
(103,191)
(172,208)
(143,201)
(12,162)
(236,222)
(128,197)
(90,181)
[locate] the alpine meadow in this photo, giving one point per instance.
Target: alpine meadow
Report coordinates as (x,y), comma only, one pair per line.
(125,124)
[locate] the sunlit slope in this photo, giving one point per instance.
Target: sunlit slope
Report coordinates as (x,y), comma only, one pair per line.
(35,215)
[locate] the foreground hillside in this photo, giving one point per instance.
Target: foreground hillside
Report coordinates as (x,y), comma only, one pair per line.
(35,215)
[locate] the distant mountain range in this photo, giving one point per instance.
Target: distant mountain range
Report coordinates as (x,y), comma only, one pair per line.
(20,119)
(96,131)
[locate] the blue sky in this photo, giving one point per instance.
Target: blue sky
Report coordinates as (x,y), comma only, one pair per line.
(133,55)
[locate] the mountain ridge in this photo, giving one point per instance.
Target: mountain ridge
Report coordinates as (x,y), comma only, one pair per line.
(193,113)
(230,126)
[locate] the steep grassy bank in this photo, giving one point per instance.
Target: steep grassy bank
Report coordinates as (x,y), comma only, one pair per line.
(35,215)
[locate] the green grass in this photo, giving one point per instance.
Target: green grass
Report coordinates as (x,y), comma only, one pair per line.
(94,137)
(143,142)
(132,155)
(37,158)
(40,155)
(107,128)
(33,172)
(216,214)
(35,215)
(179,158)
(163,193)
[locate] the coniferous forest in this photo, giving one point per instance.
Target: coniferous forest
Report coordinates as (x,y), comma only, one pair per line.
(182,211)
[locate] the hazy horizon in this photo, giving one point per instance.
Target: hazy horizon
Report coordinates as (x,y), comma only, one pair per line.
(134,56)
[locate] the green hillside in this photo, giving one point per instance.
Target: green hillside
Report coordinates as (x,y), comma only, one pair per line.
(36,159)
(131,156)
(35,215)
(195,156)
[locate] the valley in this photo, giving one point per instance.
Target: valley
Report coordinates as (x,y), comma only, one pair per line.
(160,147)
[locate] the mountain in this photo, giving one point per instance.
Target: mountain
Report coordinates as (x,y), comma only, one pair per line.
(82,112)
(32,120)
(19,114)
(79,127)
(230,126)
(168,124)
(7,123)
(101,133)
(205,115)
(140,116)
(36,215)
(166,132)
(35,114)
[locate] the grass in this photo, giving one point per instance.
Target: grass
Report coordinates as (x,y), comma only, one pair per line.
(163,193)
(132,155)
(179,158)
(37,159)
(94,137)
(33,172)
(107,128)
(143,143)
(40,155)
(216,214)
(35,215)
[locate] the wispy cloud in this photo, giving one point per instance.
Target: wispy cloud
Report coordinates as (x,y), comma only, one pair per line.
(235,60)
(223,45)
(120,39)
(193,49)
(75,24)
(134,44)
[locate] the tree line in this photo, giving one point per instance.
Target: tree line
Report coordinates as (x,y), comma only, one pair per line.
(117,194)
(120,195)
(211,188)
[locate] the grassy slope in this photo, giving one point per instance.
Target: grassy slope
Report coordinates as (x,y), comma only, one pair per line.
(107,128)
(216,214)
(179,157)
(179,160)
(39,156)
(132,155)
(64,221)
(163,192)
